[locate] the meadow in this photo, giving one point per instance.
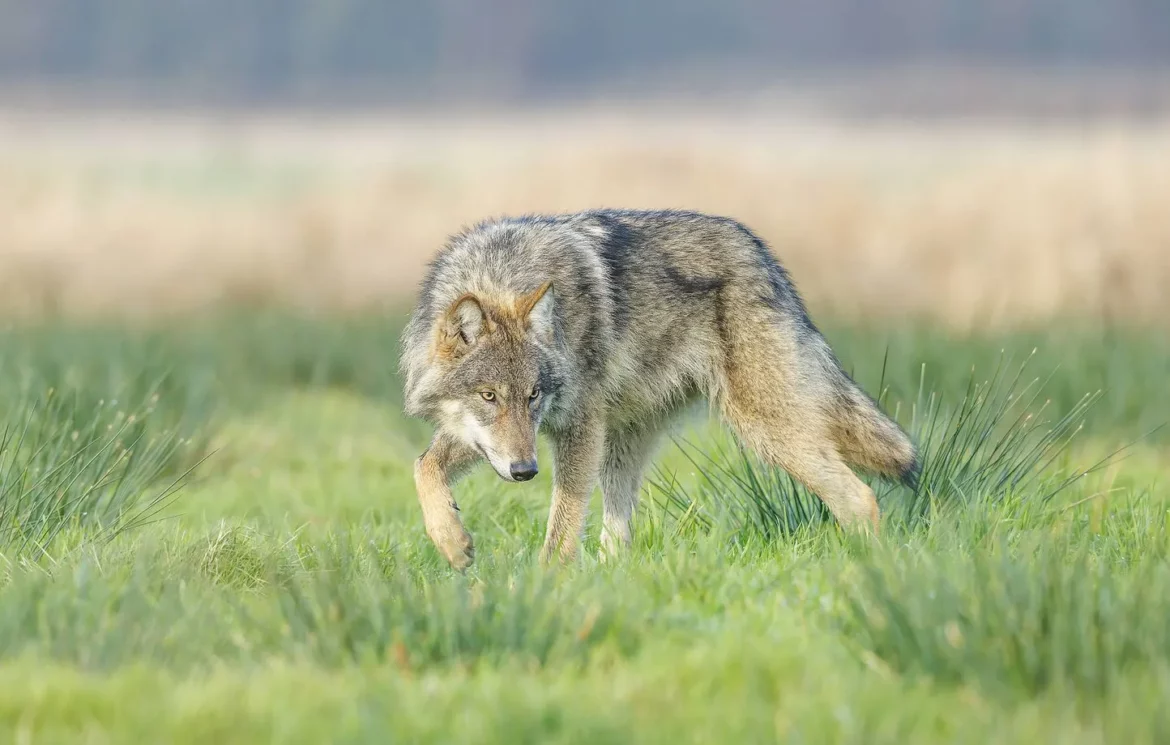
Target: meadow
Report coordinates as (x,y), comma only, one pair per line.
(208,527)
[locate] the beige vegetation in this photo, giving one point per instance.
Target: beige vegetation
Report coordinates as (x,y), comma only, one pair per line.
(973,225)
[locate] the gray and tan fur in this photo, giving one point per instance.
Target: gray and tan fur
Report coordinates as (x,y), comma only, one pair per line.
(596,329)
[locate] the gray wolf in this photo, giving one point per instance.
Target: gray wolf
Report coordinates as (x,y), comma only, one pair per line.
(597,329)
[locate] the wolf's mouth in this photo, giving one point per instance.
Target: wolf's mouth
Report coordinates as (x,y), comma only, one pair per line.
(483,451)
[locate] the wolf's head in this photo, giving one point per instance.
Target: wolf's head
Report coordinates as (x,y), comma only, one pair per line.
(498,376)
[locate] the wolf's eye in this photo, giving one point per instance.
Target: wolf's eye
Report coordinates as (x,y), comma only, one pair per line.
(534,395)
(488,395)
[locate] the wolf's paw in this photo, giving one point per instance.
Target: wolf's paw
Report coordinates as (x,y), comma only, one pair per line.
(460,553)
(551,558)
(456,546)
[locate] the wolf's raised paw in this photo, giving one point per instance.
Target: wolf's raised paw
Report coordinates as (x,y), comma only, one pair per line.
(460,552)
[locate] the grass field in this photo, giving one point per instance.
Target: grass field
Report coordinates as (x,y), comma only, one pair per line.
(208,526)
(209,534)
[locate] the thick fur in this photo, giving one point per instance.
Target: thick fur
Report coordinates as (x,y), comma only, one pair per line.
(616,320)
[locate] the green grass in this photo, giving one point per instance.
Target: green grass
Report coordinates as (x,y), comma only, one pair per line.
(208,533)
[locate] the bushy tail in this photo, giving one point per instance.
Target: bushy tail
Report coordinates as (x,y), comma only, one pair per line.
(872,441)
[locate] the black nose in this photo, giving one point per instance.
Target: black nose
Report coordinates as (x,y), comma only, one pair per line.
(524,471)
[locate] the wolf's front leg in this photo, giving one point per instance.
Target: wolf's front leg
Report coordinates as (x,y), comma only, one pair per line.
(434,474)
(577,456)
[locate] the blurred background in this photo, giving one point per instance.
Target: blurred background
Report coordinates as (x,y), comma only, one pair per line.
(975,164)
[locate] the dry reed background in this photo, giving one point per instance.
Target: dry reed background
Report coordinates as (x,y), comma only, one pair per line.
(970,224)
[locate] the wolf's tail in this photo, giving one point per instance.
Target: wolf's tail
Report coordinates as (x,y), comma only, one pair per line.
(872,441)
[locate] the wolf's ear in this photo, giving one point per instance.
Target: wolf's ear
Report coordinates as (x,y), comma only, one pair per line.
(464,324)
(537,309)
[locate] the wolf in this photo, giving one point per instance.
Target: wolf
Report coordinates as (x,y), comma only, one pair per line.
(597,329)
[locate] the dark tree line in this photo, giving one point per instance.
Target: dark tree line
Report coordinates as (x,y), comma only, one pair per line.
(274,49)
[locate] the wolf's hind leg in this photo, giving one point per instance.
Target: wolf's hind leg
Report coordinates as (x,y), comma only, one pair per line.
(777,393)
(434,474)
(849,499)
(810,457)
(626,454)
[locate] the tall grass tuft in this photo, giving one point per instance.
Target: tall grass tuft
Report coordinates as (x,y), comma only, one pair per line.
(993,442)
(65,464)
(736,493)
